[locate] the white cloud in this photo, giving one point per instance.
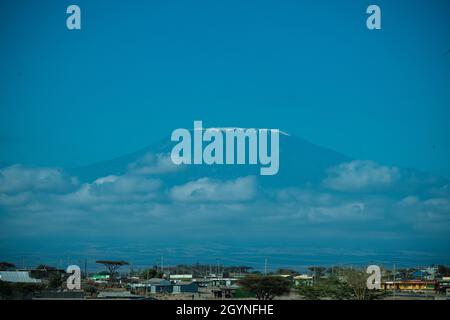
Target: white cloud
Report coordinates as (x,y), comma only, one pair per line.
(359,175)
(115,189)
(136,202)
(18,178)
(107,179)
(408,201)
(205,189)
(151,164)
(428,214)
(346,211)
(318,205)
(125,184)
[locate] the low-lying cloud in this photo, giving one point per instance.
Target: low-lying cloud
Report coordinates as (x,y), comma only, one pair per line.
(354,198)
(209,190)
(359,175)
(18,178)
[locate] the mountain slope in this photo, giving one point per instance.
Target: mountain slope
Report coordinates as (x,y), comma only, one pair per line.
(300,162)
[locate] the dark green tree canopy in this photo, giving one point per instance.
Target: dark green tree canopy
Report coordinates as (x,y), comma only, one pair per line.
(7,265)
(265,287)
(112,265)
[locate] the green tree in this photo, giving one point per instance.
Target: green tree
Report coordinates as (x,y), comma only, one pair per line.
(356,279)
(330,288)
(7,265)
(318,272)
(241,294)
(151,273)
(265,287)
(45,267)
(55,280)
(5,290)
(19,291)
(91,290)
(112,266)
(287,271)
(444,270)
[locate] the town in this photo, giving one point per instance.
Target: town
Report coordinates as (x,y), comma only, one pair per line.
(120,280)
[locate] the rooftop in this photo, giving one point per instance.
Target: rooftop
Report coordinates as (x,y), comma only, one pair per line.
(17,277)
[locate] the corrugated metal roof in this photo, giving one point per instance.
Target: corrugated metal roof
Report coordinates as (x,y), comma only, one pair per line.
(157,281)
(180,276)
(117,294)
(18,277)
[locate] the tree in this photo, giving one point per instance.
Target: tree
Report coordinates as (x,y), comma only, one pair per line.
(357,281)
(444,270)
(265,287)
(112,266)
(55,281)
(151,273)
(44,271)
(317,272)
(7,266)
(287,271)
(5,289)
(45,267)
(18,291)
(326,288)
(92,290)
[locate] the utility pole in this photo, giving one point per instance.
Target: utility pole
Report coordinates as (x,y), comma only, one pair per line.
(146,284)
(217,268)
(265,266)
(395,289)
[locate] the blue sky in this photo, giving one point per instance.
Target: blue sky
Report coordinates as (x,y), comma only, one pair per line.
(139,69)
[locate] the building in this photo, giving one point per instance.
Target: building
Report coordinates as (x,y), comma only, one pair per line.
(17,281)
(190,287)
(410,285)
(175,278)
(119,295)
(156,285)
(289,277)
(225,292)
(227,282)
(100,278)
(444,285)
(303,279)
(18,277)
(428,273)
(202,282)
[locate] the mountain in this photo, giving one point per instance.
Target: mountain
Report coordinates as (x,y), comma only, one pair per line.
(321,207)
(300,162)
